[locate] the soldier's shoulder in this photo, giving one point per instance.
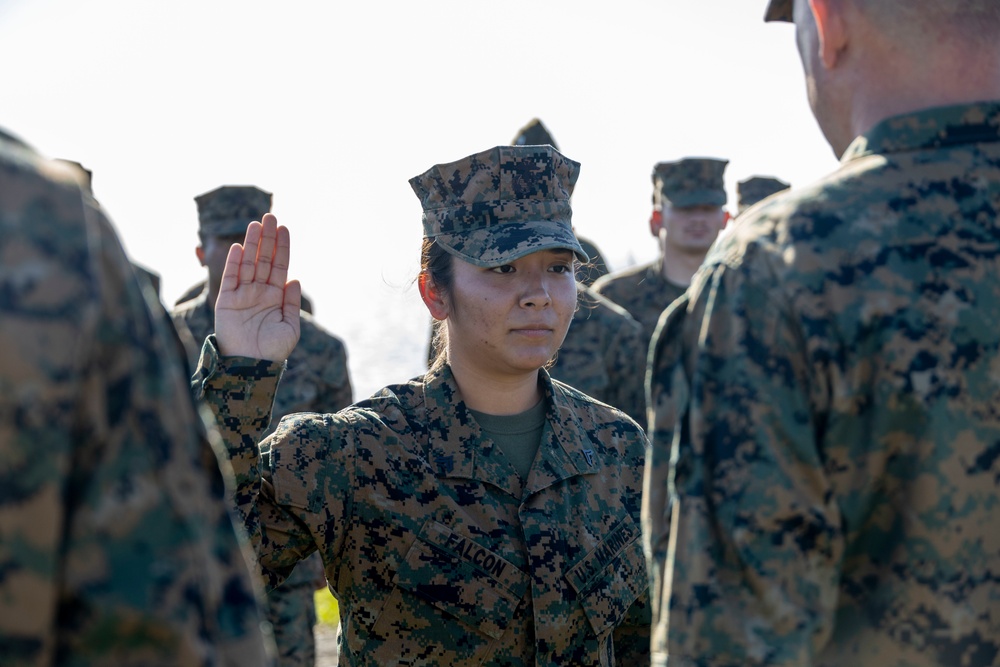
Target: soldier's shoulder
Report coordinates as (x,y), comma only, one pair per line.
(188,309)
(595,306)
(594,414)
(396,406)
(623,279)
(800,227)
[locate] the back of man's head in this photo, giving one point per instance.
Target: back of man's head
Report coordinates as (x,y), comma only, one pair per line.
(868,60)
(916,21)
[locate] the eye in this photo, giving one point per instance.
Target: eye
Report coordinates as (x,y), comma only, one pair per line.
(505,268)
(562,268)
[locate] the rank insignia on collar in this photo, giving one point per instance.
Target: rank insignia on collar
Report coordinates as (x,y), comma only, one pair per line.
(589,453)
(445,463)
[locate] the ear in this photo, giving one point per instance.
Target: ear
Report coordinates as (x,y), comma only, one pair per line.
(201,255)
(830,28)
(656,222)
(432,296)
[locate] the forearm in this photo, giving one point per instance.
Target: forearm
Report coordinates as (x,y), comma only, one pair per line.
(240,393)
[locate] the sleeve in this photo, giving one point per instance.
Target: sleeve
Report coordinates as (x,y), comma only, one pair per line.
(292,490)
(752,568)
(668,390)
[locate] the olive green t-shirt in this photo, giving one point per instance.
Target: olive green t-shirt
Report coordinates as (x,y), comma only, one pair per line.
(518,436)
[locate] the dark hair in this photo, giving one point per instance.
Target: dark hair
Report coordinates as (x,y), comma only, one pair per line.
(437,263)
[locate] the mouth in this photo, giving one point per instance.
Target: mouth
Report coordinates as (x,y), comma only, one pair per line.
(533,331)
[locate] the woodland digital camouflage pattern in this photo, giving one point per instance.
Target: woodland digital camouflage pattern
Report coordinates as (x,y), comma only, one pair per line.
(116,545)
(643,291)
(503,203)
(693,181)
(604,355)
(438,552)
(829,394)
(316,379)
(755,189)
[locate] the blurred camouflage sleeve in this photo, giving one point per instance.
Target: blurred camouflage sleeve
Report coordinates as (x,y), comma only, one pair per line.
(752,569)
(667,390)
(117,547)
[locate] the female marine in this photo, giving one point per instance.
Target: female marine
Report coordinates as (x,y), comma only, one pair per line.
(482,514)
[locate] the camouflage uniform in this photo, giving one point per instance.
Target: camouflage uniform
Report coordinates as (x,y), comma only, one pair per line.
(117,547)
(317,379)
(755,189)
(439,552)
(604,355)
(827,392)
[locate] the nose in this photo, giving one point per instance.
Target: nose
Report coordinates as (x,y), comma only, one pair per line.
(536,292)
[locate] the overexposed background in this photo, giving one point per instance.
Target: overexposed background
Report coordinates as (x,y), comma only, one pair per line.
(333,106)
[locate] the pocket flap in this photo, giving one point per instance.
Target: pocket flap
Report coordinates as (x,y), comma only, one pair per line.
(463,579)
(611,577)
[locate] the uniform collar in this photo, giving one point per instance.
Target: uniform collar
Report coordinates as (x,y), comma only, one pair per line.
(459,449)
(939,127)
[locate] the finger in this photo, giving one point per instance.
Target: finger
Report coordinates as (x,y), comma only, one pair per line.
(292,303)
(250,245)
(279,266)
(231,272)
(265,250)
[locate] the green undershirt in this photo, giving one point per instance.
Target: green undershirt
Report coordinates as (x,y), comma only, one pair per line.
(518,436)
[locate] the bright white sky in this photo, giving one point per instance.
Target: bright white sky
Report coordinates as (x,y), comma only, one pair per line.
(333,106)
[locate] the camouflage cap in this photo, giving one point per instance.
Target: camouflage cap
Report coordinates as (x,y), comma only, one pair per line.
(693,181)
(493,207)
(779,10)
(534,134)
(755,188)
(229,209)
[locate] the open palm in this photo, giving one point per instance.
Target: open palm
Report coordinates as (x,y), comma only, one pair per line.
(257,313)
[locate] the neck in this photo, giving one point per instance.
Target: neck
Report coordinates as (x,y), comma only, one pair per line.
(953,74)
(504,395)
(679,267)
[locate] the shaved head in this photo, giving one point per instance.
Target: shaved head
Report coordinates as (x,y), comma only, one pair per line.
(915,21)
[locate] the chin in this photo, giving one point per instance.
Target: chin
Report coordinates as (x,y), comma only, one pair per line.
(530,363)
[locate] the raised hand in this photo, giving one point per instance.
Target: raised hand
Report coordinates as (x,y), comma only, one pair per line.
(257,313)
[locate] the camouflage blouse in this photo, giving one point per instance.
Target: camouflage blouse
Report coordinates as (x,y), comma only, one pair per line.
(438,552)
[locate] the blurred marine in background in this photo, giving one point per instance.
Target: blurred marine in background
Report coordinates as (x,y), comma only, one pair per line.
(116,546)
(689,196)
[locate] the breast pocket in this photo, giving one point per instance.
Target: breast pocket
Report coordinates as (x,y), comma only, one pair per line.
(452,599)
(610,578)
